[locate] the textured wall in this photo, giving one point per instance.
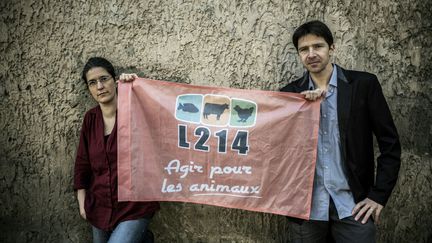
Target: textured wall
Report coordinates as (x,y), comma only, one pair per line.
(243,44)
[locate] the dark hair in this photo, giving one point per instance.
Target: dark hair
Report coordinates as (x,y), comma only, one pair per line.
(314,27)
(97,62)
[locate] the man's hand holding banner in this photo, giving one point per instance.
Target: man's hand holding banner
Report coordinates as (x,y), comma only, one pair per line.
(246,149)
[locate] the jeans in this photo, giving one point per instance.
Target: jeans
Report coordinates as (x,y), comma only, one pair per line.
(335,230)
(130,231)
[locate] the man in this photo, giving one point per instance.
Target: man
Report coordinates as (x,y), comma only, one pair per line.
(347,196)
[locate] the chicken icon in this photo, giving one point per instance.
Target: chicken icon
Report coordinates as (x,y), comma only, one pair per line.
(243,114)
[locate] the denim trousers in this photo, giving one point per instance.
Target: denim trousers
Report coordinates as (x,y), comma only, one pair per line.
(130,231)
(335,230)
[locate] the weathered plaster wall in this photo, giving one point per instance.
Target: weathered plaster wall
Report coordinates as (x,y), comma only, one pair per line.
(243,44)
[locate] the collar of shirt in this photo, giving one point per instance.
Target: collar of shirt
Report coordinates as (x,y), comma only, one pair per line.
(332,82)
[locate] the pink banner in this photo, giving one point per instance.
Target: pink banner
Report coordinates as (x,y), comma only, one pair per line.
(246,149)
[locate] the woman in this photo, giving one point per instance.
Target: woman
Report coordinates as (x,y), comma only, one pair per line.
(96,164)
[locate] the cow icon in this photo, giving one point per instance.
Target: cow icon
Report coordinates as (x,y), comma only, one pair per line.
(187,107)
(214,109)
(243,113)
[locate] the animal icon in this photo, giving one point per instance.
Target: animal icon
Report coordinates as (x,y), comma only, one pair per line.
(243,114)
(187,107)
(216,109)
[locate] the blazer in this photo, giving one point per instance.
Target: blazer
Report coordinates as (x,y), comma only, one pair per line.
(363,111)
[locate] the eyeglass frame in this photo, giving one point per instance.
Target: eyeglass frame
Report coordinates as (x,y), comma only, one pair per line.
(102,79)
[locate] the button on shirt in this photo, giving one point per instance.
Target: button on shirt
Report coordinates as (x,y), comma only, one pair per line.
(330,178)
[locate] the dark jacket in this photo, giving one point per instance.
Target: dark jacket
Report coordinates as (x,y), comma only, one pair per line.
(363,111)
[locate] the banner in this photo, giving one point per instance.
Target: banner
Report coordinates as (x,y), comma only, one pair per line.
(245,149)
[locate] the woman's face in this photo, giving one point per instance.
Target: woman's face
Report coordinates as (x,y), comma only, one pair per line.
(102,85)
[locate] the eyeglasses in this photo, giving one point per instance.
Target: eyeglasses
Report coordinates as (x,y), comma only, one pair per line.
(102,79)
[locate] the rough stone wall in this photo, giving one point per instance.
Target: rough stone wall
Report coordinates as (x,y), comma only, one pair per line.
(242,44)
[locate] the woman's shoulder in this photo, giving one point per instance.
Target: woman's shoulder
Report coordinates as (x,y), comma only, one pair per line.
(92,114)
(93,111)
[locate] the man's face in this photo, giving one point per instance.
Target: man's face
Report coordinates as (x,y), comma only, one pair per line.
(314,53)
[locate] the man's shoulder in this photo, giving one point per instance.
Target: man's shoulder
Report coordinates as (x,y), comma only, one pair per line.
(293,85)
(355,75)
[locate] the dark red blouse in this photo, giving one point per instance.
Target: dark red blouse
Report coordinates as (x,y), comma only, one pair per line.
(96,171)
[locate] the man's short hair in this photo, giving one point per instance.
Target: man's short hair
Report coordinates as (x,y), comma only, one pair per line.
(314,27)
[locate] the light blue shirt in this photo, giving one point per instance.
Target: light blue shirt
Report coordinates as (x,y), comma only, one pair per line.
(330,177)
